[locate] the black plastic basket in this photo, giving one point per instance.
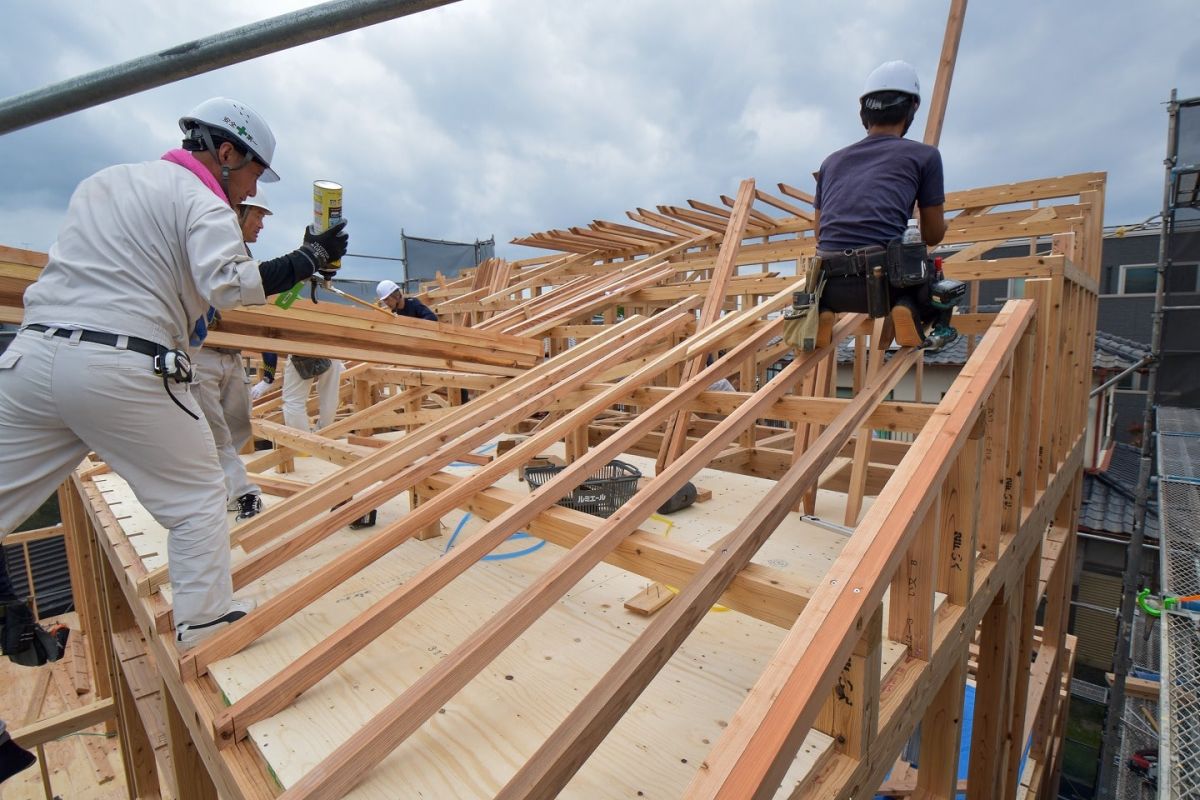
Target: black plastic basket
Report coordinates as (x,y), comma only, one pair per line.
(600,495)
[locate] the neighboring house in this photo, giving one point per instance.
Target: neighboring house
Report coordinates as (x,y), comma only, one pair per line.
(1129,261)
(1106,518)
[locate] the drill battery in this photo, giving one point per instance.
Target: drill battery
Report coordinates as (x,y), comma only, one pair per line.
(946,293)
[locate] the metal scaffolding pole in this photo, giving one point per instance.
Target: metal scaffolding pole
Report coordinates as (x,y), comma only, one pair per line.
(202,55)
(1111,745)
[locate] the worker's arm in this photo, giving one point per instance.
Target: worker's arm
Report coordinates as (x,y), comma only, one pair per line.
(415,308)
(931,199)
(817,224)
(933,224)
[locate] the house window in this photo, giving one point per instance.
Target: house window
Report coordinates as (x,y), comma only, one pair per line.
(1137,279)
(1131,382)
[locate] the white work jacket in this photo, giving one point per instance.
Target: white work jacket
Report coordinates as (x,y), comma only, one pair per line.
(145,250)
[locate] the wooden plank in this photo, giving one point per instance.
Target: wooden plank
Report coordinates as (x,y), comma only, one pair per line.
(771,595)
(73,721)
(994,694)
(945,73)
(191,778)
(650,599)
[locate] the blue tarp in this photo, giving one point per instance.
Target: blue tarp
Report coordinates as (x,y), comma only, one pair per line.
(964,743)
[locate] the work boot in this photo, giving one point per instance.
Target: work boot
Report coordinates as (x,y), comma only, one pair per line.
(248,505)
(906,320)
(13,758)
(825,328)
(188,636)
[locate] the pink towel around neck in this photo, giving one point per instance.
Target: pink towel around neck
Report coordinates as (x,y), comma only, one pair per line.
(189,162)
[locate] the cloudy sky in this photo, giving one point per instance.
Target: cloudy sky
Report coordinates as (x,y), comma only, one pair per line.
(500,118)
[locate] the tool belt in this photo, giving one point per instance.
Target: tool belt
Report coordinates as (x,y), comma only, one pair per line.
(853,263)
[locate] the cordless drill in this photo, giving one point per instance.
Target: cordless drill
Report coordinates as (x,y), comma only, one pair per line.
(944,295)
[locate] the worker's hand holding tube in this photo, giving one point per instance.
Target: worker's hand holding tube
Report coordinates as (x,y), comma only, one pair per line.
(328,247)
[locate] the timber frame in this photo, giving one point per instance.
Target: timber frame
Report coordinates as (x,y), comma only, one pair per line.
(608,345)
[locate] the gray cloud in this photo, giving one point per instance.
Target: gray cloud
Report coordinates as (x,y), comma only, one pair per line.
(489,117)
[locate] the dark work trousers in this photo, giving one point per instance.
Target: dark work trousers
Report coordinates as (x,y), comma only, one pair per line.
(849,294)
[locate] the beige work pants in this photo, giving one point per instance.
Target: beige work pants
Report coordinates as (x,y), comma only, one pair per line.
(60,398)
(224,397)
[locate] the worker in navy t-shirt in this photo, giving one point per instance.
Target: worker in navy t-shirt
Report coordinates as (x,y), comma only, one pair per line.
(865,197)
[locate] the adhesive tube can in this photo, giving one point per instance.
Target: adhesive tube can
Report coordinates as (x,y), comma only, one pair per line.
(327,207)
(327,212)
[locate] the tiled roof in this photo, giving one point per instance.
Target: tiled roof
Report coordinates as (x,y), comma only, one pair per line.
(1111,352)
(1108,496)
(1109,508)
(1124,465)
(1117,352)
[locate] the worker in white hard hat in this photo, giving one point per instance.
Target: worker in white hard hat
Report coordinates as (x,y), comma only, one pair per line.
(102,363)
(864,200)
(221,389)
(392,295)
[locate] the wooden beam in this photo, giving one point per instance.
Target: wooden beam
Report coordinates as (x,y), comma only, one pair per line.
(676,428)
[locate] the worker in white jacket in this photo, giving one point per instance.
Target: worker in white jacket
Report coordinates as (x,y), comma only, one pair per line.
(101,360)
(221,389)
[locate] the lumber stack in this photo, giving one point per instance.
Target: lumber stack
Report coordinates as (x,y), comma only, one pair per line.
(325,329)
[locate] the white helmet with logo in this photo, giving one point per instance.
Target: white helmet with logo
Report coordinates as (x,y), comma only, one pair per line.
(893,76)
(386,289)
(258,201)
(235,121)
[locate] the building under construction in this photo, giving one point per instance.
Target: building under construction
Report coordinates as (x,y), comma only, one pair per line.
(869,595)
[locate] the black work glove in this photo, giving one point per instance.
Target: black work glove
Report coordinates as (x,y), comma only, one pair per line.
(328,246)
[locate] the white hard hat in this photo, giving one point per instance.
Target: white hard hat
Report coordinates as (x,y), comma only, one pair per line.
(386,289)
(893,76)
(239,122)
(259,201)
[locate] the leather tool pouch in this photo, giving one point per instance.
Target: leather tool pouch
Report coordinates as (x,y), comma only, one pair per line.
(802,318)
(309,368)
(908,264)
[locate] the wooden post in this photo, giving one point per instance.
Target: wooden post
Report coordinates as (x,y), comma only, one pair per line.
(86,588)
(851,714)
(992,479)
(1020,679)
(941,729)
(910,610)
(862,442)
(960,526)
(994,694)
(137,753)
(191,776)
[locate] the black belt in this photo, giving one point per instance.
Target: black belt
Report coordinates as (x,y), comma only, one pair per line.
(854,263)
(96,337)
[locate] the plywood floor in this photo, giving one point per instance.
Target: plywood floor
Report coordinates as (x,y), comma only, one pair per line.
(479,739)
